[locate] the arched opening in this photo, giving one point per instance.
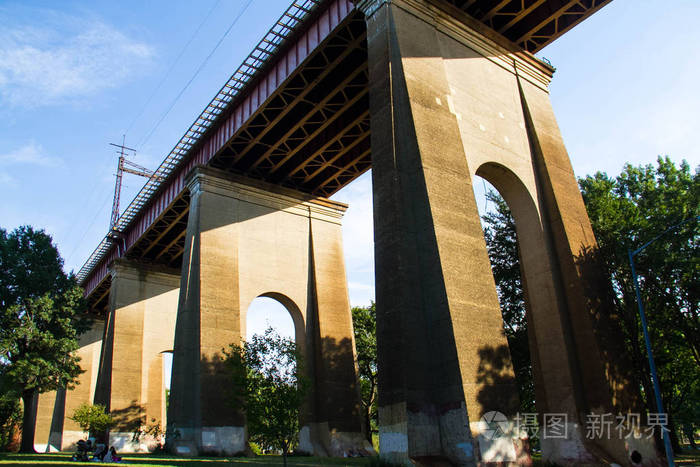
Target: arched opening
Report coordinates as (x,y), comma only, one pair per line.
(276,311)
(519,260)
(167,356)
(279,384)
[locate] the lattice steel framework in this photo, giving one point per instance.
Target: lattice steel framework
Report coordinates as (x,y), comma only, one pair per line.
(532,24)
(310,131)
(290,20)
(313,135)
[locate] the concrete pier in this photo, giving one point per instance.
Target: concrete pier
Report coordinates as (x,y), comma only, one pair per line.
(247,239)
(449,100)
(139,328)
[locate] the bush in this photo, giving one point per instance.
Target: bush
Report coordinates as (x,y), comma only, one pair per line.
(92,418)
(255,448)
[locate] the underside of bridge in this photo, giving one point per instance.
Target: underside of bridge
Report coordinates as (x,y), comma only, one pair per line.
(454,92)
(313,133)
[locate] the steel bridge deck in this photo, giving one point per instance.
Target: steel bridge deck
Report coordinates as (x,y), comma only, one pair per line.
(296,114)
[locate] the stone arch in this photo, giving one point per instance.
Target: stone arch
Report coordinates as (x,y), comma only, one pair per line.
(291,307)
(247,239)
(298,318)
(542,299)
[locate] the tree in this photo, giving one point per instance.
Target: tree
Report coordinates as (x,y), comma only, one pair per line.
(502,245)
(39,325)
(364,320)
(92,418)
(10,414)
(269,386)
(627,211)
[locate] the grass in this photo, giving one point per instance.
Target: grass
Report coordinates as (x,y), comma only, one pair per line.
(687,459)
(166,460)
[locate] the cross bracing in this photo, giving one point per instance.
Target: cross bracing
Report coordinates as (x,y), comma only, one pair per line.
(310,133)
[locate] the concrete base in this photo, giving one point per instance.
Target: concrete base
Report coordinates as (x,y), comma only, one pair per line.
(349,444)
(219,440)
(567,451)
(124,442)
(317,440)
(414,441)
(646,448)
(43,447)
(576,450)
(71,438)
(309,443)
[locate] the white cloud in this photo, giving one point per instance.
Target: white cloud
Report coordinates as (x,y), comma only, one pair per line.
(29,154)
(68,58)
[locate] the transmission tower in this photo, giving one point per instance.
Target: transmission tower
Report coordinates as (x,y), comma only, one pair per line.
(125,165)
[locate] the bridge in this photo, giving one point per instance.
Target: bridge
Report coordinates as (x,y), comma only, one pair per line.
(429,94)
(307,78)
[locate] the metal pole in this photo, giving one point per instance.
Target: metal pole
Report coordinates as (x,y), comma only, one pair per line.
(652,366)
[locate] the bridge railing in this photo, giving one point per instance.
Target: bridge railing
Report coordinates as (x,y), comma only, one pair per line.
(288,23)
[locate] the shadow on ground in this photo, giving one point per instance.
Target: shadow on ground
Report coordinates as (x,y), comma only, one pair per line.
(156,460)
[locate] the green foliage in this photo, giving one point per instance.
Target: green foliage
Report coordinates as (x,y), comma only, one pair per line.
(255,448)
(39,325)
(10,416)
(626,212)
(364,321)
(269,386)
(92,418)
(502,245)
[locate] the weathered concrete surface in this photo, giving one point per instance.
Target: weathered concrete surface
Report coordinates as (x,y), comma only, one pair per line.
(247,239)
(450,101)
(140,327)
(438,321)
(54,429)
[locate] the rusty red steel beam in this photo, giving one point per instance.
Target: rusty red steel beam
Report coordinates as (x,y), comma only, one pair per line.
(228,115)
(334,13)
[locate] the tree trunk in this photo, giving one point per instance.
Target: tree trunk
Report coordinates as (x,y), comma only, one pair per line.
(689,431)
(29,401)
(673,435)
(368,424)
(284,454)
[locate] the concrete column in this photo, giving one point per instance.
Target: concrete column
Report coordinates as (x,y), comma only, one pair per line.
(599,361)
(208,320)
(54,430)
(140,326)
(450,100)
(337,385)
(444,361)
(247,239)
(49,418)
(84,391)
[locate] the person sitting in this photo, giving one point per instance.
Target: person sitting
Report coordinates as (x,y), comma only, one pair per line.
(82,453)
(99,453)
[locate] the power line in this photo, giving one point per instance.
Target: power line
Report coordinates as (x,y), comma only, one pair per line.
(167,74)
(201,66)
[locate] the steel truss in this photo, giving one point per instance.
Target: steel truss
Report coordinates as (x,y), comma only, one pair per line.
(313,134)
(532,24)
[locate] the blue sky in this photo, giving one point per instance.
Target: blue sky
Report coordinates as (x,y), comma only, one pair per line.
(76,75)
